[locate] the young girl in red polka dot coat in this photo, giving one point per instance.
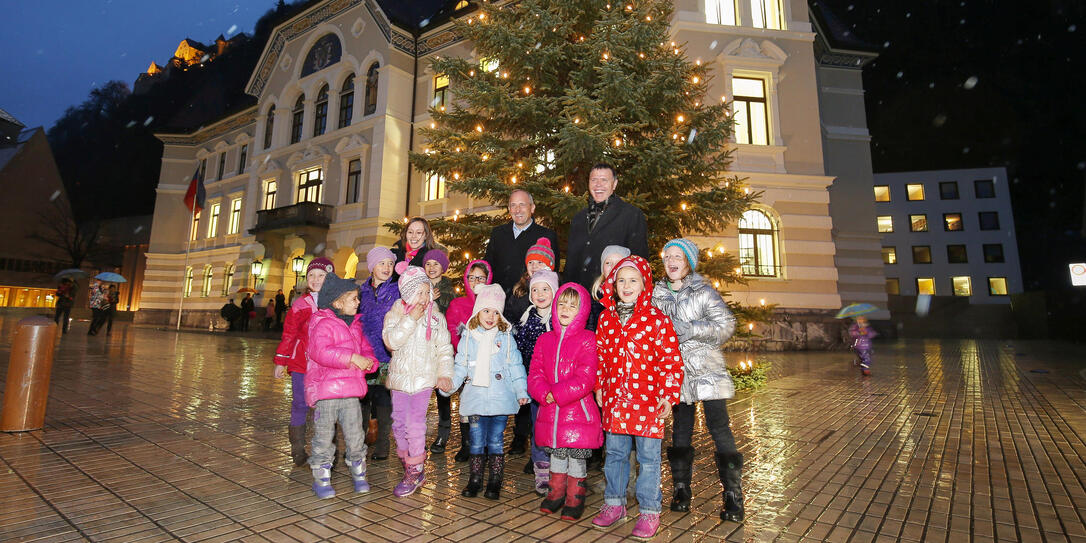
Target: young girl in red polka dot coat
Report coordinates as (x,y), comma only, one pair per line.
(639,379)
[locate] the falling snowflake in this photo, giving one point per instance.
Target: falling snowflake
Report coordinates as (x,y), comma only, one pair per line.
(900,75)
(712,45)
(54,196)
(423,23)
(970,82)
(318,249)
(232,29)
(931,85)
(1081,165)
(147,121)
(885,44)
(1072,28)
(965,150)
(693,134)
(130,124)
(138,229)
(939,120)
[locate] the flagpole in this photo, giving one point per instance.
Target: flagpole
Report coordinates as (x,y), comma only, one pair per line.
(185,268)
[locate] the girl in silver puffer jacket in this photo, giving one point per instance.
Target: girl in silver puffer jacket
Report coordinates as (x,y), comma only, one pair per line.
(703,323)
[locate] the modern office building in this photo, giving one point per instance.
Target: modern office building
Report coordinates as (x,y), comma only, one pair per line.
(948,233)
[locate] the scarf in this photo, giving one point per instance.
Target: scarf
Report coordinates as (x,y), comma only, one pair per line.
(544,316)
(349,319)
(625,311)
(409,253)
(595,211)
(487,340)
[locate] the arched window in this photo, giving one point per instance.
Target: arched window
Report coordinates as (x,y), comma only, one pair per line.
(371,89)
(320,121)
(227,279)
(186,287)
(269,127)
(346,102)
(205,291)
(758,245)
(296,122)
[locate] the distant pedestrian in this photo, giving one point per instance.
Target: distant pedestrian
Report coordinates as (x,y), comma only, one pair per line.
(65,300)
(97,302)
(280,307)
(112,299)
(269,315)
(862,334)
(230,312)
(248,311)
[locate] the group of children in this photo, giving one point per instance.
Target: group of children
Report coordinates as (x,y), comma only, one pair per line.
(654,351)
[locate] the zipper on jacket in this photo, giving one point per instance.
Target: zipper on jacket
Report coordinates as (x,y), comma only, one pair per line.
(557,358)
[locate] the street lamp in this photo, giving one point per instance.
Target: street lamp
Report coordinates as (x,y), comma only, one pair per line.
(256,267)
(298,264)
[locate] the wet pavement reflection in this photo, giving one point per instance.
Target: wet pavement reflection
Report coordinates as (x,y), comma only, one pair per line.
(154,435)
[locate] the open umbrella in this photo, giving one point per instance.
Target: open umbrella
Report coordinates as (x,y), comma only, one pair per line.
(70,273)
(855,310)
(111,277)
(247,289)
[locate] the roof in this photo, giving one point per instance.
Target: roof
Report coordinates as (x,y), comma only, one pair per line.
(410,15)
(8,117)
(9,152)
(837,33)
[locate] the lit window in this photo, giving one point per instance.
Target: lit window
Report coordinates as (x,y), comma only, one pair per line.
(213,224)
(956,254)
(320,120)
(296,122)
(766,13)
(186,286)
(882,193)
(227,279)
(984,188)
(435,187)
(354,178)
(243,155)
(441,90)
(914,191)
(889,255)
(372,76)
(310,184)
(921,254)
(205,290)
(997,286)
(346,102)
(885,223)
(757,245)
(993,253)
(988,220)
(948,190)
(195,230)
(962,286)
(720,12)
(952,222)
(270,188)
(269,127)
(222,165)
(488,64)
(235,215)
(749,107)
(893,286)
(925,285)
(918,223)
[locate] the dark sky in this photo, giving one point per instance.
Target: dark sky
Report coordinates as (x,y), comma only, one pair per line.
(56,51)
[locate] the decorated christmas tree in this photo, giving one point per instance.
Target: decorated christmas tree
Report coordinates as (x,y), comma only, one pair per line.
(560,85)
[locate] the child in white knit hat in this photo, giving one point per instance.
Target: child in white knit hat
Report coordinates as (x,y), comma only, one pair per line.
(489,361)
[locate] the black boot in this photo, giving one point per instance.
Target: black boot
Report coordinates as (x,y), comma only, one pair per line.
(730,467)
(465,442)
(384,425)
(444,424)
(519,445)
(529,468)
(475,478)
(497,472)
(595,462)
(297,445)
(681,460)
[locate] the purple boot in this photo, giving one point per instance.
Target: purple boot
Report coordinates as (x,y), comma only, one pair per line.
(413,478)
(358,474)
(542,477)
(322,482)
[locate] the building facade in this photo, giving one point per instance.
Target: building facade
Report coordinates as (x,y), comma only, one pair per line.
(948,233)
(320,163)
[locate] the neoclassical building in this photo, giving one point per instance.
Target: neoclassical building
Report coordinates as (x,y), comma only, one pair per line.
(320,161)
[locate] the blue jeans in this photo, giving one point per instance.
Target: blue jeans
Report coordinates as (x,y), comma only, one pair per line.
(487,433)
(616,469)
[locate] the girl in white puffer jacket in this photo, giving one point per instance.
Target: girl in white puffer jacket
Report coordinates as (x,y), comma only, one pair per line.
(422,358)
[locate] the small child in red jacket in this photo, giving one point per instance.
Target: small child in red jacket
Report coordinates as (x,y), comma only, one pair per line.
(339,357)
(639,379)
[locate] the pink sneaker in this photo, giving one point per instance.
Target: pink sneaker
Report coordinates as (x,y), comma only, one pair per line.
(647,524)
(609,515)
(413,478)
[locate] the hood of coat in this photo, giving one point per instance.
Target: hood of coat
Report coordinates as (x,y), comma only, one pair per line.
(581,319)
(608,290)
(693,281)
(489,277)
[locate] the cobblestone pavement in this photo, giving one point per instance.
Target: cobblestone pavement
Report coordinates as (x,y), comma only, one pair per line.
(155,436)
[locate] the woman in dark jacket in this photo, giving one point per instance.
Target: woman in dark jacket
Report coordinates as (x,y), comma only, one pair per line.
(416,239)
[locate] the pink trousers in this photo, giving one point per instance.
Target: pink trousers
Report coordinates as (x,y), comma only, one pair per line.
(409,424)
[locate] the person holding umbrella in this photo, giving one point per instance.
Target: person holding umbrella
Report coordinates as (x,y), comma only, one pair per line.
(97,302)
(861,333)
(65,299)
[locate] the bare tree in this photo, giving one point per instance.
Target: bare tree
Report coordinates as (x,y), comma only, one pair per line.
(58,229)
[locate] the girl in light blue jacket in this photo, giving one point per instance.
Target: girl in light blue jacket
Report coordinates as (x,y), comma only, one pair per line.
(496,386)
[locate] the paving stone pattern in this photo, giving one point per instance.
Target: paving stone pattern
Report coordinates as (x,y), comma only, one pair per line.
(161,436)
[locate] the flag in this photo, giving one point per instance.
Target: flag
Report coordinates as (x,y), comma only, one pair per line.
(195,196)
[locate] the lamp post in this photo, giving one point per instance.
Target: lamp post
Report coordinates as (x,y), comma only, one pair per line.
(298,264)
(256,267)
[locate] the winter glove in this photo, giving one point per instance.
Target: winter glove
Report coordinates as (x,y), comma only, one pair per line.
(682,330)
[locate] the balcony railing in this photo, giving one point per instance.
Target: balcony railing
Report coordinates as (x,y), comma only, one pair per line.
(301,214)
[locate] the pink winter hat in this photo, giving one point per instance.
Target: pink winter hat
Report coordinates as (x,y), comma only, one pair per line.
(376,255)
(545,276)
(412,280)
(488,297)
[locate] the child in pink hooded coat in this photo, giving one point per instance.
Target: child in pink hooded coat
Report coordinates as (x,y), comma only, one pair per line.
(562,378)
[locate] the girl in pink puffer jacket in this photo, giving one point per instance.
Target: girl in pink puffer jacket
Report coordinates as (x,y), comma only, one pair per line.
(562,378)
(338,359)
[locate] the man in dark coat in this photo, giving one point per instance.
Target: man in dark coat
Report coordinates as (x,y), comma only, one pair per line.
(230,313)
(509,242)
(606,221)
(280,308)
(247,308)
